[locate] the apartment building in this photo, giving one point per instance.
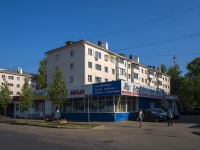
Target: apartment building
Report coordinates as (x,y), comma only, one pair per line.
(84,62)
(119,85)
(15,79)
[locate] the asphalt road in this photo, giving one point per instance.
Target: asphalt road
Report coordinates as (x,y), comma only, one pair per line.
(113,136)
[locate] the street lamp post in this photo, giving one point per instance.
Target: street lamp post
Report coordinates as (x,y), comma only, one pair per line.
(88,109)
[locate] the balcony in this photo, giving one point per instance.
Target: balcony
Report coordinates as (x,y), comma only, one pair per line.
(160,79)
(135,70)
(150,76)
(120,65)
(136,81)
(121,77)
(151,84)
(159,86)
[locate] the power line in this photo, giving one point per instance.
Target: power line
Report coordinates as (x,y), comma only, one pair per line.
(169,55)
(160,42)
(161,18)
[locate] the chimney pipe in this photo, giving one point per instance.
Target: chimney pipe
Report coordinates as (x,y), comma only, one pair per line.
(131,57)
(100,43)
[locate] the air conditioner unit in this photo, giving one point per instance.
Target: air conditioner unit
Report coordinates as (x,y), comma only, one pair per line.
(96,58)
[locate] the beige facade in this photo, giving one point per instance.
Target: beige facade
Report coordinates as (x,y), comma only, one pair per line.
(15,80)
(83,63)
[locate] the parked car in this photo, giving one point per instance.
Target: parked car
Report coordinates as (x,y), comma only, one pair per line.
(150,115)
(186,111)
(196,111)
(161,112)
(175,114)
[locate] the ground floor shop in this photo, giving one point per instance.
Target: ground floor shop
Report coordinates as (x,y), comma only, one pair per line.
(108,101)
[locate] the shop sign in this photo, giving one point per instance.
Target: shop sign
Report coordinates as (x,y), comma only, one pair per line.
(79,91)
(107,88)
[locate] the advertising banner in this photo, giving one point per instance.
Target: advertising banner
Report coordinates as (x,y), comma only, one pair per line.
(107,88)
(129,88)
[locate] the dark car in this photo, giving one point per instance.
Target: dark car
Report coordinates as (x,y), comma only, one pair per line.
(196,111)
(175,114)
(186,111)
(161,112)
(150,115)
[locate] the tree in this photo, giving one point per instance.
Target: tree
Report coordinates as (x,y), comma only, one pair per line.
(175,81)
(163,68)
(57,91)
(193,68)
(194,75)
(186,94)
(26,97)
(41,78)
(5,98)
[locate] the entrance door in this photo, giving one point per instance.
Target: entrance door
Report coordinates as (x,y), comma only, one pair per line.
(41,106)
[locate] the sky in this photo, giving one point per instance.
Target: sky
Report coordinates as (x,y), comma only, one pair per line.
(153,30)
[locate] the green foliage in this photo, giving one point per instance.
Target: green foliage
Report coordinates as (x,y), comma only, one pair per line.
(41,78)
(175,81)
(193,68)
(57,91)
(5,98)
(186,95)
(163,68)
(26,96)
(194,75)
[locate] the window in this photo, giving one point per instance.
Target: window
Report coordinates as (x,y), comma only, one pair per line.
(122,71)
(97,54)
(89,51)
(145,71)
(106,57)
(89,64)
(98,67)
(97,79)
(18,78)
(18,85)
(72,66)
(72,53)
(145,80)
(71,79)
(17,93)
(113,59)
(89,78)
(106,80)
(129,76)
(142,70)
(120,60)
(113,71)
(129,66)
(142,79)
(106,69)
(136,76)
(165,79)
(11,77)
(10,84)
(3,77)
(57,57)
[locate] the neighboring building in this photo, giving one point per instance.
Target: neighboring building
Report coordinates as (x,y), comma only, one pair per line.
(15,80)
